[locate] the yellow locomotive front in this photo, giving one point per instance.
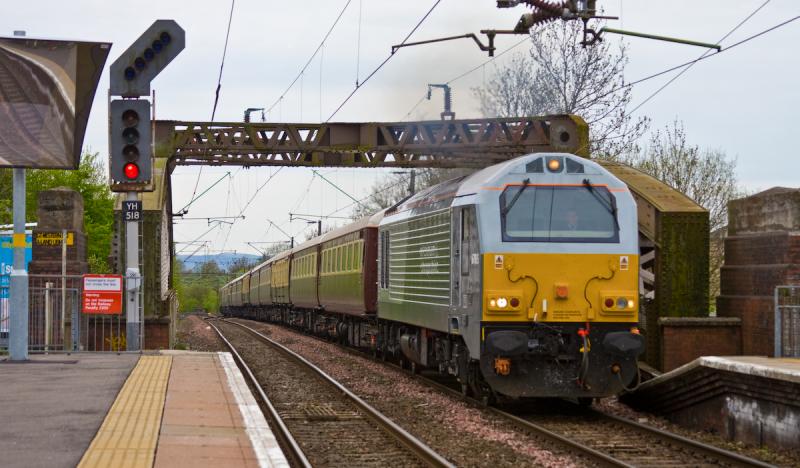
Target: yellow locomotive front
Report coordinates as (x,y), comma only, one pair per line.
(560,302)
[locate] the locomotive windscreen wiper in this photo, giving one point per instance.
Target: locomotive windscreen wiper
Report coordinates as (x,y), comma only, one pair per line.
(510,204)
(609,204)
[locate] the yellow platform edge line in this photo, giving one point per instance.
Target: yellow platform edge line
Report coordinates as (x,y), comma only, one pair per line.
(129,433)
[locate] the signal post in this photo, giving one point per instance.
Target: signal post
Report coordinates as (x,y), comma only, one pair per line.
(131,146)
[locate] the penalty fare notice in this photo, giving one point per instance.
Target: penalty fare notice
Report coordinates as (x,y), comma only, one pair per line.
(102,294)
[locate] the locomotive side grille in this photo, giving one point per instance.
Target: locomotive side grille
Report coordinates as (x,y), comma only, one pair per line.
(419,260)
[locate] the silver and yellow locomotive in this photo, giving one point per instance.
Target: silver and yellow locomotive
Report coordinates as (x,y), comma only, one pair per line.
(520,280)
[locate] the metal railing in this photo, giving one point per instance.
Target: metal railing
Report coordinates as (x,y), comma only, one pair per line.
(56,322)
(787,321)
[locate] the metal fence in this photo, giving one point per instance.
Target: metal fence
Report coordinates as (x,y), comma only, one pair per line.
(56,321)
(787,321)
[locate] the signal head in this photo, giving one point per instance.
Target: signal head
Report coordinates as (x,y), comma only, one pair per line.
(130,74)
(130,118)
(130,136)
(131,171)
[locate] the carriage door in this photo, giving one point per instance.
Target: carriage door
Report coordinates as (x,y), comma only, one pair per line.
(465,282)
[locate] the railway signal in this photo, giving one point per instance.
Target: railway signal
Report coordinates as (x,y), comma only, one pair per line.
(131,151)
(131,158)
(133,71)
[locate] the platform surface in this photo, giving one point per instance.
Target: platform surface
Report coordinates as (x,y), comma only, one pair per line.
(211,418)
(785,369)
(170,409)
(50,411)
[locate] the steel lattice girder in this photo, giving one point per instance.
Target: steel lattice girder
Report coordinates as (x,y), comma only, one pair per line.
(450,143)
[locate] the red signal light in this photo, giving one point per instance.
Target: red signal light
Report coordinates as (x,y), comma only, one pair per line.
(131,171)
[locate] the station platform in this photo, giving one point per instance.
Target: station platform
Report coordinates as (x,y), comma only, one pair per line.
(749,399)
(168,409)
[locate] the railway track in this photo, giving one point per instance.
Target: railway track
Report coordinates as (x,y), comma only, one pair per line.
(319,422)
(603,439)
(613,441)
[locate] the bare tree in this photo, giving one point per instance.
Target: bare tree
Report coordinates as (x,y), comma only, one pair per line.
(560,76)
(706,176)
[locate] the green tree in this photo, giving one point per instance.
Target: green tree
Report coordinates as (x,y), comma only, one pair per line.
(199,290)
(90,180)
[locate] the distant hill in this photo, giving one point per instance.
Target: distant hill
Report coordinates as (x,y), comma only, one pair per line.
(223,260)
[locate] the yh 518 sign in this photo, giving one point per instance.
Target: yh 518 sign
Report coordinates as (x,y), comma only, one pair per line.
(132,210)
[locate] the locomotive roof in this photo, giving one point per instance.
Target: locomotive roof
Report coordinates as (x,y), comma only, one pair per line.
(444,195)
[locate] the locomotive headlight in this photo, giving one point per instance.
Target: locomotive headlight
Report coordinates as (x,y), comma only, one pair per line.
(622,303)
(554,164)
(502,302)
(630,303)
(492,303)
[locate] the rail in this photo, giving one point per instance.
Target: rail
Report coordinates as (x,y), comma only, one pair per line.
(287,441)
(414,445)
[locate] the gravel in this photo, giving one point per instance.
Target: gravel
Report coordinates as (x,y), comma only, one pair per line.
(330,430)
(615,407)
(463,434)
(196,335)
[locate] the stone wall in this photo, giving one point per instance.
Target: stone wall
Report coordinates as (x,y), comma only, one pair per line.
(59,209)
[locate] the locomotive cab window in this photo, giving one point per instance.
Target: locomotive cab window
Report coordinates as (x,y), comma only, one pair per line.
(559,214)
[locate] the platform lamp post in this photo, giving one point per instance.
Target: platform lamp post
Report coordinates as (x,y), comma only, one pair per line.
(18,283)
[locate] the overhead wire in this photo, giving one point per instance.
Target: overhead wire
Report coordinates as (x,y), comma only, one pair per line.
(385,61)
(316,51)
(684,70)
(690,62)
(685,65)
(241,213)
(219,86)
(358,43)
(376,192)
(222,62)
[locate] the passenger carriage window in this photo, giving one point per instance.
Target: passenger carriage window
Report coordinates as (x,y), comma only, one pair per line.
(350,251)
(559,214)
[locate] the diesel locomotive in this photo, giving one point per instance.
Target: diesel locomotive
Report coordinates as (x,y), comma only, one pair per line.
(521,280)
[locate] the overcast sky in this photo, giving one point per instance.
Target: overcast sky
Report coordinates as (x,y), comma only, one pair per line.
(742,102)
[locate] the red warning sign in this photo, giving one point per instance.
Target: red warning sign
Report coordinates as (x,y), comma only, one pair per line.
(102,294)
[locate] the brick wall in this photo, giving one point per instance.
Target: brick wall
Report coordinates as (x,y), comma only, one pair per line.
(156,334)
(754,264)
(757,314)
(761,252)
(684,339)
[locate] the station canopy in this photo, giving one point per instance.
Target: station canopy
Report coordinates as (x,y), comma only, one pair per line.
(46,92)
